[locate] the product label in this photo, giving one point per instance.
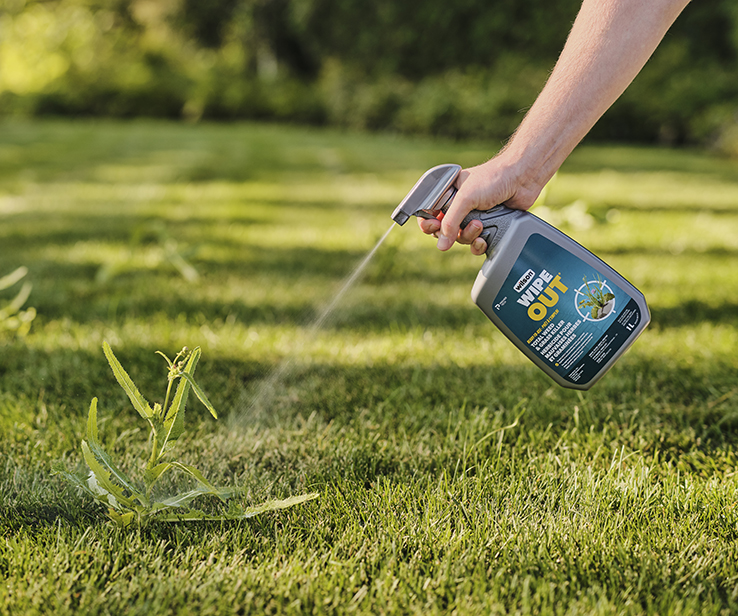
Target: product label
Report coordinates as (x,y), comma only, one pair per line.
(565,311)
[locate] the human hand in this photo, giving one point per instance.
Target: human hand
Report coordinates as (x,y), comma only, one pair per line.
(480,188)
(468,235)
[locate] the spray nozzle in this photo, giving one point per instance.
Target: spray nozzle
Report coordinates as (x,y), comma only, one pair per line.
(432,193)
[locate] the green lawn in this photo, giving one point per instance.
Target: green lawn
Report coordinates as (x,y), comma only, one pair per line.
(400,411)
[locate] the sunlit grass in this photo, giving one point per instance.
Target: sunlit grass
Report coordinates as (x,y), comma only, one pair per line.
(454,475)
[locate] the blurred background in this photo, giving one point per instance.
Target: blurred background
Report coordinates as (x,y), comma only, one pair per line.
(456,69)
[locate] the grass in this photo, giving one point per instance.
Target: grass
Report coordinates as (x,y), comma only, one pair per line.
(454,477)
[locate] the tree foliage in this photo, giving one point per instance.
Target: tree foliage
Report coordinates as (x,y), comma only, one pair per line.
(461,68)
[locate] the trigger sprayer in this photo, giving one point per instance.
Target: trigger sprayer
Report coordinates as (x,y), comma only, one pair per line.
(563,307)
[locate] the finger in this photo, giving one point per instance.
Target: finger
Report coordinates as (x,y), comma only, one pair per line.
(450,226)
(454,215)
(471,232)
(429,226)
(478,247)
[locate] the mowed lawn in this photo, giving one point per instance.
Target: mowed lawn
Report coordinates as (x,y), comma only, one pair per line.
(454,476)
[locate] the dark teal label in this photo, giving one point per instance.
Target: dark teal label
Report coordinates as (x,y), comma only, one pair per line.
(565,311)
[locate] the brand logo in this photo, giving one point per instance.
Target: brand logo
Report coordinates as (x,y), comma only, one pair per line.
(539,297)
(524,280)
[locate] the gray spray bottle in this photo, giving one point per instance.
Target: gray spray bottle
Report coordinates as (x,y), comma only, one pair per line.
(563,307)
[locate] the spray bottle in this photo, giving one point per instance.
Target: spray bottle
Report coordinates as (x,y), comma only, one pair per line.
(563,307)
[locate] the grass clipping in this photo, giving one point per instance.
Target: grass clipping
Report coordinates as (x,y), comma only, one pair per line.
(128,502)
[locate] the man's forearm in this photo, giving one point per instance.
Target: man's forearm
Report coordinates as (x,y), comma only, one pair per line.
(608,45)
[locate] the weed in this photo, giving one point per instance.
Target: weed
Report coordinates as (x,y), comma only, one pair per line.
(162,250)
(126,500)
(12,318)
(594,297)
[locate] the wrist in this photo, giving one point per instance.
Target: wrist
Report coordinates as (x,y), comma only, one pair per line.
(526,172)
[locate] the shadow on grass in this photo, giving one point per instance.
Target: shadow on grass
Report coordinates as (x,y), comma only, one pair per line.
(46,512)
(694,312)
(64,289)
(165,296)
(33,231)
(405,393)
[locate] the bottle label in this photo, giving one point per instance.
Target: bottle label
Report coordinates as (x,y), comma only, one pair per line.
(566,312)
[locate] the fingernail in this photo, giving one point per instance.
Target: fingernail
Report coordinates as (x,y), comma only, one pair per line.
(479,244)
(444,243)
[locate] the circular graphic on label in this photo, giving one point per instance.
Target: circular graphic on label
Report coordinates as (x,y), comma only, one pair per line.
(594,300)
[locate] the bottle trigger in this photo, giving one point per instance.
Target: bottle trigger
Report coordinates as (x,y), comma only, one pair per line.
(489,235)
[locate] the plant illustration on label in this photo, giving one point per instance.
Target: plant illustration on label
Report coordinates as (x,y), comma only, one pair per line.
(594,302)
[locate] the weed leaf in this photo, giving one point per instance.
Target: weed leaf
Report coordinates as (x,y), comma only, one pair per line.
(190,515)
(138,401)
(100,482)
(272,505)
(17,302)
(10,279)
(200,394)
(188,272)
(121,519)
(109,469)
(152,474)
(222,494)
(58,469)
(181,500)
(174,423)
(236,513)
(92,435)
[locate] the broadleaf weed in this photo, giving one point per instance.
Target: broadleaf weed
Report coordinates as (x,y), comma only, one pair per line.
(128,501)
(594,296)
